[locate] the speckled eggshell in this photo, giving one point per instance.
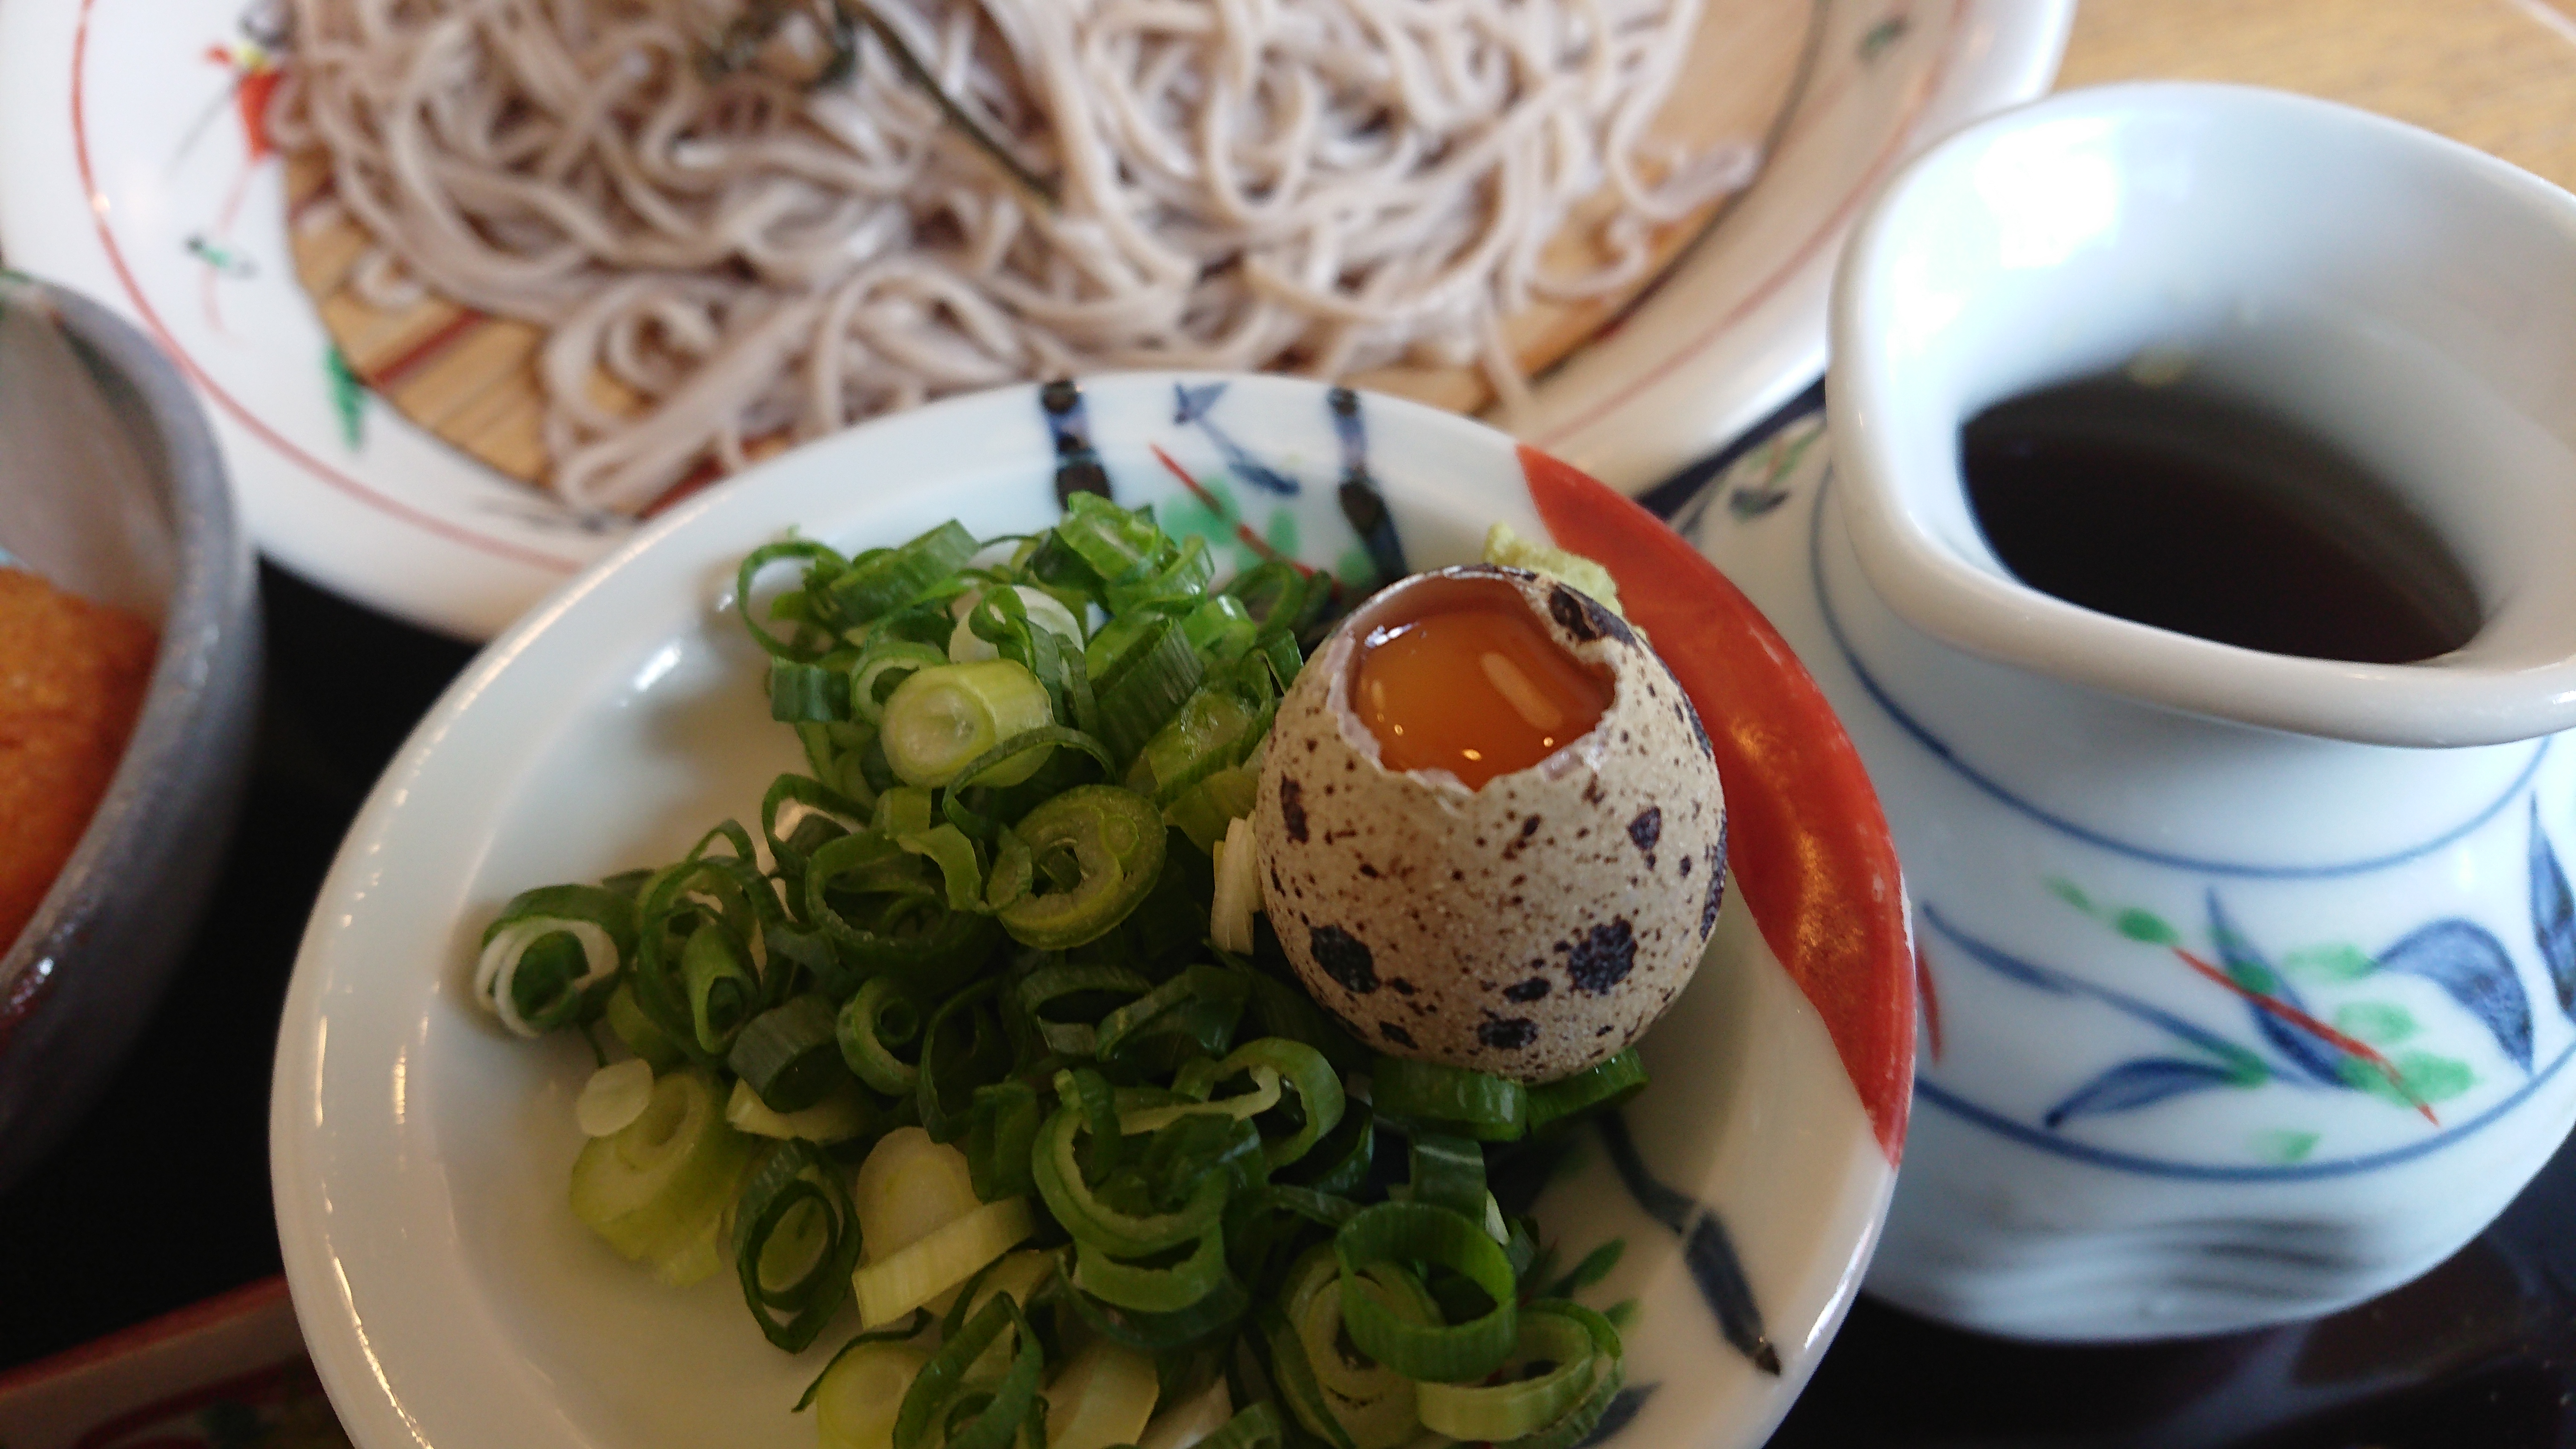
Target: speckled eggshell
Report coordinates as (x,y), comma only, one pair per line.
(1529,929)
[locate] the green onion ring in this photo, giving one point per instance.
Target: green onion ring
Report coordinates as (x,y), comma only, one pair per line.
(881,1017)
(1607,1084)
(941,1383)
(1147,1289)
(1485,1107)
(795,1175)
(1399,1232)
(1088,1220)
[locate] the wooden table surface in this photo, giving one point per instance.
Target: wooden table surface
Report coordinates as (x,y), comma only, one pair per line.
(2499,75)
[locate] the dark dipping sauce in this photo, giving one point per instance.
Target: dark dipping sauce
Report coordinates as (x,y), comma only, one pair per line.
(2182,509)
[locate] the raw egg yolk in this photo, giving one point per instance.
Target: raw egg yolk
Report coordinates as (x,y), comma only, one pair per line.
(1478,690)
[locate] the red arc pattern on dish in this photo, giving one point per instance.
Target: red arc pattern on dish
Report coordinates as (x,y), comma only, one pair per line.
(1812,856)
(96,201)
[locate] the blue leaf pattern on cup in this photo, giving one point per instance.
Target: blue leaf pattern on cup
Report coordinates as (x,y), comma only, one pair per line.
(2553,914)
(2471,966)
(2310,1053)
(2140,1083)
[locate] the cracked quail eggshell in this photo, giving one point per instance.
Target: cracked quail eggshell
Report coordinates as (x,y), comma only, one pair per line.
(1530,928)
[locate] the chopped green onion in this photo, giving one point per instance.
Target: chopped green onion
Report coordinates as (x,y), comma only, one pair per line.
(896,577)
(1238,890)
(947,847)
(889,929)
(1203,811)
(1145,684)
(642,1034)
(918,1272)
(1340,1162)
(615,1095)
(1104,1397)
(1577,1424)
(1605,1085)
(795,1240)
(1003,1127)
(1449,1172)
(904,810)
(844,1114)
(1050,984)
(1196,1418)
(1523,1404)
(1347,1399)
(1209,1318)
(1263,1096)
(944,1089)
(1596,1266)
(946,715)
(1070,1197)
(881,669)
(817,557)
(1221,627)
(1253,1427)
(1214,729)
(1149,1289)
(788,1054)
(1111,542)
(548,958)
(1176,579)
(798,815)
(1304,1071)
(1199,1007)
(872,1024)
(807,693)
(1394,1233)
(1037,609)
(722,990)
(943,1380)
(1110,840)
(1485,1107)
(857,1396)
(658,1186)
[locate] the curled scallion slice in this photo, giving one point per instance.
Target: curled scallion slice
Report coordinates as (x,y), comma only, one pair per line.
(872,1027)
(946,715)
(1476,1104)
(1394,1233)
(548,958)
(941,1382)
(1606,1085)
(1565,1360)
(1110,841)
(795,1239)
(655,1189)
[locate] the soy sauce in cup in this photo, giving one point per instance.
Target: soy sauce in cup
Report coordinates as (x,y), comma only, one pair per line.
(2180,508)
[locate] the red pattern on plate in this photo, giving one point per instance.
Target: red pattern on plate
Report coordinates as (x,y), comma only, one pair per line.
(1810,849)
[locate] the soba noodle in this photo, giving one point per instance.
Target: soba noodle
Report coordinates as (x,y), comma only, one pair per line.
(1323,185)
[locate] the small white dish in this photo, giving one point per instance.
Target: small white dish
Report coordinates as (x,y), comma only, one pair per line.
(133,174)
(420,1155)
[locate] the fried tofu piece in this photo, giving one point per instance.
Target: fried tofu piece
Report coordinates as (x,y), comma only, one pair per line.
(72,679)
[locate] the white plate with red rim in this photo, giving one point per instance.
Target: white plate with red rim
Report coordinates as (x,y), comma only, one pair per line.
(134,174)
(420,1155)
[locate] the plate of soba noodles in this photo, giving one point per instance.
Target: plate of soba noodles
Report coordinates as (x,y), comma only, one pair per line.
(471,287)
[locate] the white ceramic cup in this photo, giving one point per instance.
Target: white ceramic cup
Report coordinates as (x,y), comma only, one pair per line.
(2258,972)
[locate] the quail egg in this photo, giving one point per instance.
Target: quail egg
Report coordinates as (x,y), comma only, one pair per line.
(1490,830)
